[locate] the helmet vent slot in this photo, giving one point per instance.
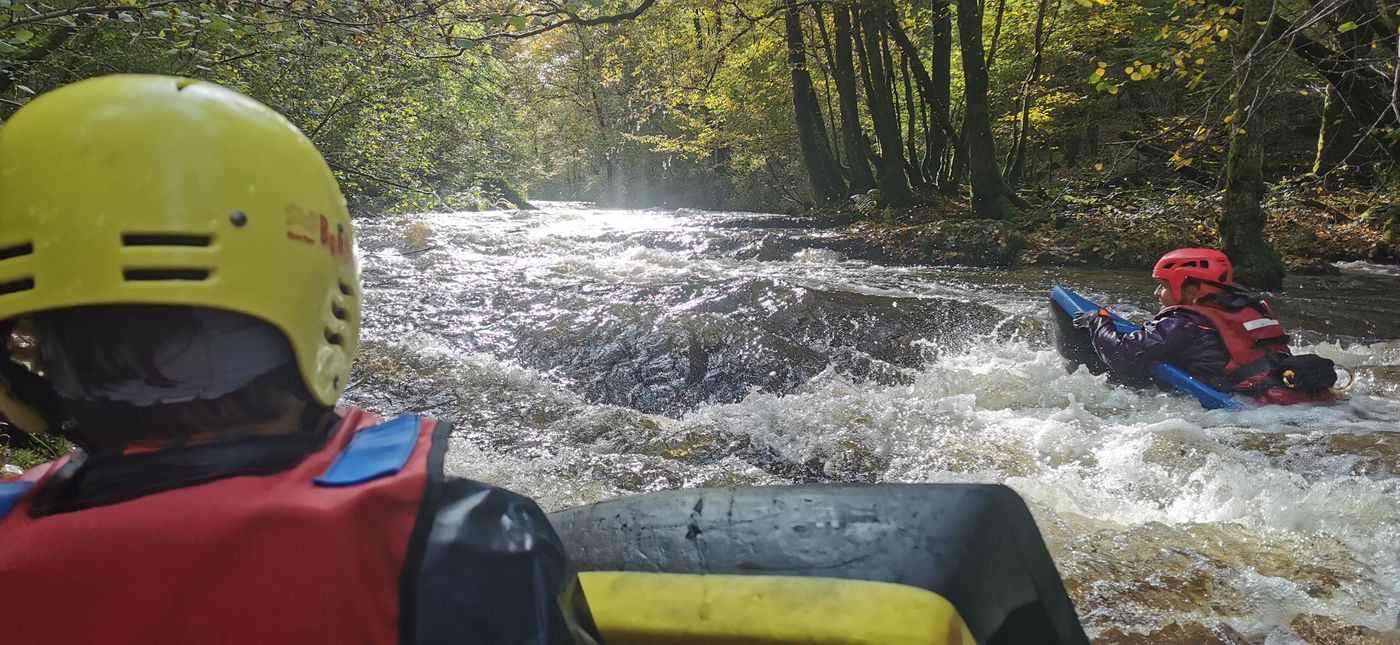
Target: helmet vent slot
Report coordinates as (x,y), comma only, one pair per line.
(156,275)
(332,337)
(345,289)
(165,239)
(338,312)
(17,251)
(16,286)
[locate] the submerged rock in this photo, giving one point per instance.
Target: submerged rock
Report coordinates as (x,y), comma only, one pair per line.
(1191,633)
(1323,630)
(759,336)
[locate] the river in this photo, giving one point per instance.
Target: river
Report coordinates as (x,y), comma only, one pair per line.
(583,354)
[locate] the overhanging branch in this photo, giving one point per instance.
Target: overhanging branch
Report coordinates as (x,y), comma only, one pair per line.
(81,11)
(570,19)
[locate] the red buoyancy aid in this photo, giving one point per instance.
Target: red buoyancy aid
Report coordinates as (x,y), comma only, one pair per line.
(249,559)
(1249,335)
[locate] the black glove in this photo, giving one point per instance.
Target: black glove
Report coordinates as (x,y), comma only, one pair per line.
(1085,319)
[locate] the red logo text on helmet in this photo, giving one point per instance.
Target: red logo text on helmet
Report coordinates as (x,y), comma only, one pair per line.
(308,227)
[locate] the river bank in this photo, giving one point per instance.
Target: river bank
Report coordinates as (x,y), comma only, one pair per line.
(1126,229)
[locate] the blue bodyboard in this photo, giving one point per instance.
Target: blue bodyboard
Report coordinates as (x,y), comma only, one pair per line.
(1209,397)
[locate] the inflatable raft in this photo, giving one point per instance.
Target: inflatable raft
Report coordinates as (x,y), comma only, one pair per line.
(891,563)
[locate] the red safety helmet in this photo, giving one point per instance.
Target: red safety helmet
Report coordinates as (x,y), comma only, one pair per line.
(1209,266)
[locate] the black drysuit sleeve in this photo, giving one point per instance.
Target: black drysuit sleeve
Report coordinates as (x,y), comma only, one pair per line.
(491,570)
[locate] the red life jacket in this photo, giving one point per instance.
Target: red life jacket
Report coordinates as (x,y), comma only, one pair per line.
(1251,336)
(312,554)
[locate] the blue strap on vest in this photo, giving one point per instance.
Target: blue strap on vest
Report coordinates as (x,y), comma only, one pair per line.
(373,453)
(10,495)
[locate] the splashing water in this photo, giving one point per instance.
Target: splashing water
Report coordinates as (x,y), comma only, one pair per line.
(584,354)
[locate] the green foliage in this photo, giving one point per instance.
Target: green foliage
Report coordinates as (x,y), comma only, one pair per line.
(35,450)
(403,98)
(683,102)
(423,104)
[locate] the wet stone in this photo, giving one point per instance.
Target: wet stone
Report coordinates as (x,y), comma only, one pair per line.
(1190,633)
(1323,630)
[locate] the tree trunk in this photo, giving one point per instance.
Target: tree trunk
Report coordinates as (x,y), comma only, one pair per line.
(942,82)
(1016,160)
(932,92)
(858,37)
(894,187)
(832,142)
(1337,135)
(851,135)
(1241,220)
(991,198)
(1340,135)
(822,170)
(915,165)
(1367,96)
(1391,235)
(996,33)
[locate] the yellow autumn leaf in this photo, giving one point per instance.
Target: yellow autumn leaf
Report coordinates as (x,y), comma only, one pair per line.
(1098,166)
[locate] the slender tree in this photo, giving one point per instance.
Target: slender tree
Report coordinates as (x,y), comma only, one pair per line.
(1241,219)
(941,83)
(890,174)
(991,197)
(823,172)
(1337,135)
(852,135)
(1016,159)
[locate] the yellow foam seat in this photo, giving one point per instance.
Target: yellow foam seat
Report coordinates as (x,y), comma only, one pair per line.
(656,608)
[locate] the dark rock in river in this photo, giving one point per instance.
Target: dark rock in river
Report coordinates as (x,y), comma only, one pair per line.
(758,336)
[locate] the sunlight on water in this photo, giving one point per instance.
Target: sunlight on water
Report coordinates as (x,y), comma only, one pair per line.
(1264,520)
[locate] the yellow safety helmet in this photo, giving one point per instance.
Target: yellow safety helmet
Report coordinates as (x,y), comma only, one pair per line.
(134,189)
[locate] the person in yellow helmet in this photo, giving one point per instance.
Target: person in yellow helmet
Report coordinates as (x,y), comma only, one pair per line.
(186,261)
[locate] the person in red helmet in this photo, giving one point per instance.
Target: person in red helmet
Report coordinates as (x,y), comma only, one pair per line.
(1209,327)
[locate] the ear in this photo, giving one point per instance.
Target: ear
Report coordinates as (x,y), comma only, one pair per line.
(1189,292)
